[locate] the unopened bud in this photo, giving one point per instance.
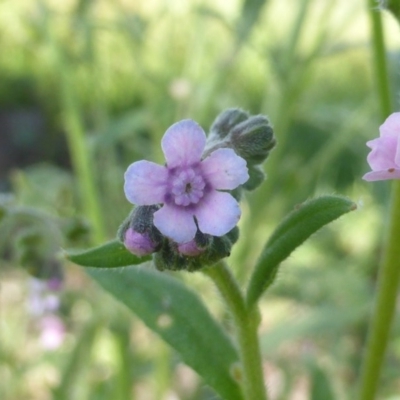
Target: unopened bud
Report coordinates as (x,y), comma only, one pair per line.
(138,232)
(196,246)
(256,177)
(227,120)
(190,249)
(253,139)
(139,243)
(233,235)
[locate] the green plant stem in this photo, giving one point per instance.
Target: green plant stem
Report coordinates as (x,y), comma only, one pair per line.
(246,324)
(388,282)
(379,59)
(389,272)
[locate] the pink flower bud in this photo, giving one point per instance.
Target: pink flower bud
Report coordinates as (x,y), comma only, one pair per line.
(190,249)
(139,243)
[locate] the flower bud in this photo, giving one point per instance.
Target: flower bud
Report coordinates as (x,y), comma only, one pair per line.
(257,177)
(253,139)
(139,243)
(138,232)
(190,249)
(196,246)
(202,251)
(227,120)
(233,235)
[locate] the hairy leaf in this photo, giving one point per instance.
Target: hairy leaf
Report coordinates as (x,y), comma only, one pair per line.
(110,255)
(177,314)
(298,226)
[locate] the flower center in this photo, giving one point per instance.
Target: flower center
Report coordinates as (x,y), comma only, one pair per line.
(187,187)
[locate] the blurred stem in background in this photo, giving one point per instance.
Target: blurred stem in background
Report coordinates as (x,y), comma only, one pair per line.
(389,272)
(162,374)
(81,159)
(75,132)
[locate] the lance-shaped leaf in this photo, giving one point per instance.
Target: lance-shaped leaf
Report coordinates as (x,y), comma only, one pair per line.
(109,255)
(178,315)
(298,226)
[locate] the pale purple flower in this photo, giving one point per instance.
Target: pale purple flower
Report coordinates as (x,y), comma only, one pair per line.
(384,158)
(188,187)
(138,243)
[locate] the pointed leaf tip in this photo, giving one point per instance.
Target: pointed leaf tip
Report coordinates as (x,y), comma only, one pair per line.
(297,227)
(109,255)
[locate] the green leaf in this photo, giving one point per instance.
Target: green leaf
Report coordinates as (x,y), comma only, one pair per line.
(177,314)
(298,226)
(110,255)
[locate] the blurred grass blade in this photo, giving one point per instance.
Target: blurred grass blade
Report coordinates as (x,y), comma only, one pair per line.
(109,255)
(298,226)
(251,11)
(321,387)
(177,314)
(77,365)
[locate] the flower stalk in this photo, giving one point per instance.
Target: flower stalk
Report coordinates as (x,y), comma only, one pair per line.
(381,322)
(246,323)
(389,272)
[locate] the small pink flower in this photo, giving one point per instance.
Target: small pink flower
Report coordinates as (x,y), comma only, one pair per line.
(188,187)
(384,158)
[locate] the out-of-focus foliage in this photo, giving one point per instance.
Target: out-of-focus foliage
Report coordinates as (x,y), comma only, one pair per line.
(123,71)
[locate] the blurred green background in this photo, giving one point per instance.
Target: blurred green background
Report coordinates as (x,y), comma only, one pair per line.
(88,87)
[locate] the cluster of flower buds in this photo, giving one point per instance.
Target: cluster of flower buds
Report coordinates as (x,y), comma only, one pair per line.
(186,212)
(250,136)
(142,238)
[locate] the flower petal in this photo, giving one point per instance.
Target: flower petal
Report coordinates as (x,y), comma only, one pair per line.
(224,169)
(397,155)
(177,223)
(145,183)
(382,175)
(217,213)
(383,153)
(183,143)
(391,126)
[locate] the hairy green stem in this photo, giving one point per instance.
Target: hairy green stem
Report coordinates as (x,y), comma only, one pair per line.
(389,273)
(388,282)
(379,59)
(246,324)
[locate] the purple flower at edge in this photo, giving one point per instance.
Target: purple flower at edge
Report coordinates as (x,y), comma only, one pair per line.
(384,158)
(187,186)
